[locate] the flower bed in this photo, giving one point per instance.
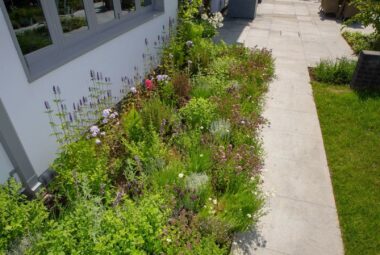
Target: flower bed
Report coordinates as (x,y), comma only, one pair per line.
(174,169)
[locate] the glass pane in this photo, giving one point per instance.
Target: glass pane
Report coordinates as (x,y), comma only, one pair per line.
(127,6)
(72,15)
(146,2)
(29,24)
(104,10)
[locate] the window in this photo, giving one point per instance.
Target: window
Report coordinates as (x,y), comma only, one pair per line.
(104,10)
(72,16)
(29,24)
(50,33)
(127,6)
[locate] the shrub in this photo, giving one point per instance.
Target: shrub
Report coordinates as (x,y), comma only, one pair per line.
(198,112)
(339,71)
(359,41)
(157,114)
(82,164)
(18,217)
(182,86)
(221,129)
(91,228)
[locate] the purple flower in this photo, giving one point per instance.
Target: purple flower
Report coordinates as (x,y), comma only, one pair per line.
(106,113)
(162,77)
(105,121)
(47,105)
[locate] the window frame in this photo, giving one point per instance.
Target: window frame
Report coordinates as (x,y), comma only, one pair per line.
(66,48)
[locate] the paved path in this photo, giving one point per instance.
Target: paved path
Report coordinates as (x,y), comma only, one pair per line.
(302,217)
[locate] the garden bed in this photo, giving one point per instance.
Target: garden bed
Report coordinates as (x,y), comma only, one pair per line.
(174,169)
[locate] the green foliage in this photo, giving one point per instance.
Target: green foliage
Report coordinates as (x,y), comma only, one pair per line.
(91,228)
(369,13)
(133,125)
(81,165)
(359,41)
(198,112)
(221,129)
(18,217)
(188,10)
(190,31)
(339,71)
(157,114)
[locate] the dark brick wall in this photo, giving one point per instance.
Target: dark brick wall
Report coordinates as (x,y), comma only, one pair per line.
(367,73)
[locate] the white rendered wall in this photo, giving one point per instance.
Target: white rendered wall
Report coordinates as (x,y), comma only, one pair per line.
(5,165)
(24,101)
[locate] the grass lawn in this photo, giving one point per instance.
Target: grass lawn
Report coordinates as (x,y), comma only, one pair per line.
(351,131)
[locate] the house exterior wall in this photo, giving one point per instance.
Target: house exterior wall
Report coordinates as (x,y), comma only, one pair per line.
(24,101)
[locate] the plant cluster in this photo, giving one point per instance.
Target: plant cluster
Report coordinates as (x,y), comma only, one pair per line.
(174,168)
(339,71)
(359,41)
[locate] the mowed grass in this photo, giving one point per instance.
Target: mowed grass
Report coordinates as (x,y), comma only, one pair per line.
(351,131)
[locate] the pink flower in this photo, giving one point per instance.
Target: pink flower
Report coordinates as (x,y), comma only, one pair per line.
(148,84)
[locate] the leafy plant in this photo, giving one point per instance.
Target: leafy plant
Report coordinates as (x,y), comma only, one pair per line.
(198,112)
(359,41)
(339,71)
(18,217)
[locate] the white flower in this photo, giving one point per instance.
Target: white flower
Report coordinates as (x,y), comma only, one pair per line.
(234,243)
(214,201)
(242,122)
(94,129)
(201,155)
(209,199)
(97,141)
(204,16)
(133,90)
(249,215)
(168,240)
(103,133)
(220,25)
(189,44)
(201,127)
(106,113)
(181,175)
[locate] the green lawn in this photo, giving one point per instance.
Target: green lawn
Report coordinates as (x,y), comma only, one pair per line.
(351,131)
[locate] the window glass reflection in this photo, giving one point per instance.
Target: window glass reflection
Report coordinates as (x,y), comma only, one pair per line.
(104,10)
(127,6)
(146,2)
(72,15)
(29,24)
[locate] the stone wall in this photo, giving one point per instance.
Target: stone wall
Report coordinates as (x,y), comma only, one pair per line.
(367,73)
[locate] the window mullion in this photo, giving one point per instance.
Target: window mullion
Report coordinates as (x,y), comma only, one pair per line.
(52,20)
(138,5)
(117,8)
(90,13)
